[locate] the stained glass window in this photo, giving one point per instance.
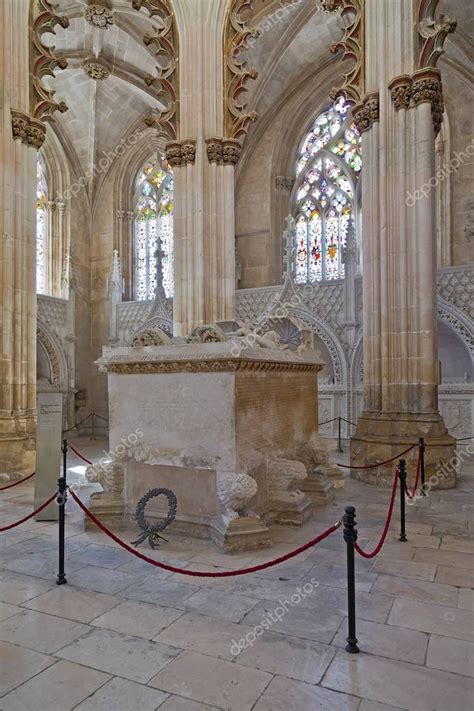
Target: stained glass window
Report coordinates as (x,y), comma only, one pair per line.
(327,169)
(153,229)
(41,227)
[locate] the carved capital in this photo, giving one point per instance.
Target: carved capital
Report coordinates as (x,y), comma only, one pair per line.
(188,152)
(231,150)
(20,123)
(427,87)
(284,185)
(173,154)
(214,150)
(61,207)
(120,214)
(180,153)
(401,91)
(223,151)
(366,112)
(29,130)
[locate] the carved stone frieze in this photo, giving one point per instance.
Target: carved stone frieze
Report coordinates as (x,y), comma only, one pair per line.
(150,337)
(204,366)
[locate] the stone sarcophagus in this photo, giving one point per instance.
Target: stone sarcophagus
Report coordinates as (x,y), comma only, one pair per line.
(222,427)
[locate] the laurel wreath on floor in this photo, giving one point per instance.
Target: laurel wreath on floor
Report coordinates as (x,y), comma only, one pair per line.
(149,531)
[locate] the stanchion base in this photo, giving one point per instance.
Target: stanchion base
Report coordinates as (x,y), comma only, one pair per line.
(352,647)
(403,538)
(61,580)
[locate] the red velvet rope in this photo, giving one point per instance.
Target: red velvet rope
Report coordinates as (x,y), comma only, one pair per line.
(415,487)
(379,545)
(88,461)
(15,483)
(380,464)
(200,574)
(17,523)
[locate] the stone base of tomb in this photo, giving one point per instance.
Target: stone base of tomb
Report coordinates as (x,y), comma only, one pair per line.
(109,509)
(219,426)
(380,437)
(318,488)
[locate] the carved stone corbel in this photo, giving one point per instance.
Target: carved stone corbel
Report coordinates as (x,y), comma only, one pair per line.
(30,131)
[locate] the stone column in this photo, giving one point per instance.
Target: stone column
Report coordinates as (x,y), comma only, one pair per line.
(203,161)
(18,145)
(399,118)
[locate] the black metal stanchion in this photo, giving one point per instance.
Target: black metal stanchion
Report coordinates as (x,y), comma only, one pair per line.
(422,465)
(339,442)
(350,537)
(61,501)
(402,478)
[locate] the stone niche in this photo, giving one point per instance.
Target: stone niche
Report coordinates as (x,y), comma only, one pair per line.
(233,432)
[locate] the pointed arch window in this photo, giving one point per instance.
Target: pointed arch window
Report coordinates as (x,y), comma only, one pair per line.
(153,229)
(41,226)
(327,169)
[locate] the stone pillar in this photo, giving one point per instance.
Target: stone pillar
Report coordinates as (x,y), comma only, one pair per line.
(203,162)
(399,118)
(18,146)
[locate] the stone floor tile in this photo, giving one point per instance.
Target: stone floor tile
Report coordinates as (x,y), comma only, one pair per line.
(123,695)
(416,589)
(319,624)
(212,681)
(37,565)
(367,705)
(336,576)
(159,591)
(129,657)
(225,607)
(440,557)
(399,551)
(454,655)
(417,540)
(299,659)
(405,568)
(17,665)
(7,610)
(101,580)
(284,694)
(408,686)
(62,686)
(102,556)
(200,633)
(396,643)
(137,618)
(460,577)
(466,599)
(437,619)
(73,603)
(40,632)
(177,703)
(454,543)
